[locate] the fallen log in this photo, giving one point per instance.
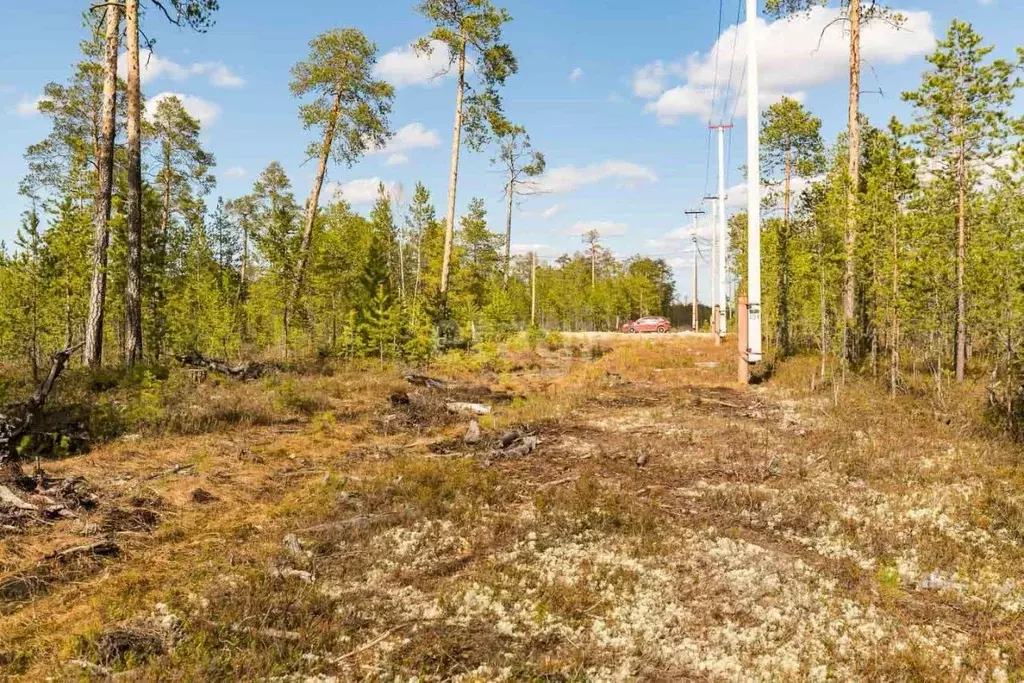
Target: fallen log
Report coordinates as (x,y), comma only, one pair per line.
(13,429)
(9,500)
(468,408)
(425,381)
(245,371)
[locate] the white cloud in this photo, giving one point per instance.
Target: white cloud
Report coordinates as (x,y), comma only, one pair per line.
(27,106)
(576,74)
(396,160)
(551,211)
(649,80)
(234,172)
(569,178)
(603,228)
(405,66)
(205,111)
(736,196)
(219,74)
(794,54)
(361,190)
(410,136)
(152,66)
(543,250)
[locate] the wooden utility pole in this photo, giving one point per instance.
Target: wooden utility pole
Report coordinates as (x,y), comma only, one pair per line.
(533,290)
(743,368)
(694,315)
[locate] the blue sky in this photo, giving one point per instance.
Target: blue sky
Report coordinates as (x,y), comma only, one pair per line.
(616,94)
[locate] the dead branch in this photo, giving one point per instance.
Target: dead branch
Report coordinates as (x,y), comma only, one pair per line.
(104,547)
(177,469)
(12,429)
(245,371)
(558,482)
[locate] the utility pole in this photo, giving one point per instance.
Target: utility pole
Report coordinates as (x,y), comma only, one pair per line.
(716,246)
(533,291)
(695,306)
(720,229)
(753,195)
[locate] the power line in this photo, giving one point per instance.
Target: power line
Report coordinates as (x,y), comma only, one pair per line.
(732,59)
(714,92)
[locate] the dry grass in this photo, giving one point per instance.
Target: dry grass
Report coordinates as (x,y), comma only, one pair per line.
(772,533)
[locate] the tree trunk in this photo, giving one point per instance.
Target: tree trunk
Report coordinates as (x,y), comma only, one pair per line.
(853,176)
(401,268)
(894,333)
(593,266)
(161,275)
(104,186)
(823,312)
(508,221)
(133,284)
(449,227)
(961,253)
(784,258)
(243,283)
(313,206)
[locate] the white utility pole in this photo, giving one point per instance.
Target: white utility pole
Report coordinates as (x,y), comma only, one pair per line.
(753,194)
(695,308)
(722,236)
(717,246)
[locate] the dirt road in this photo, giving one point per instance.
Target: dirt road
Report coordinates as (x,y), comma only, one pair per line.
(662,525)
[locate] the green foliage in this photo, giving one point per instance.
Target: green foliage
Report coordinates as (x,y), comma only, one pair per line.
(474,28)
(349,102)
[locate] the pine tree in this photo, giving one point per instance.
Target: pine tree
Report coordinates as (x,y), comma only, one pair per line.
(351,109)
(378,272)
(480,254)
(521,163)
(962,124)
(382,325)
(104,186)
(468,29)
(277,237)
(791,144)
(183,178)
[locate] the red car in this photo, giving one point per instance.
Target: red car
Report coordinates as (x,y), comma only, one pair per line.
(649,324)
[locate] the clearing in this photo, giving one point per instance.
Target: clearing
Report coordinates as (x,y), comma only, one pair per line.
(666,526)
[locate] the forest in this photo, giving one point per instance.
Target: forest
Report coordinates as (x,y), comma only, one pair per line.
(913,273)
(174,270)
(912,270)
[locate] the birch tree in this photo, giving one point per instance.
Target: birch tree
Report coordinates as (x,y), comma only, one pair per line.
(471,32)
(350,110)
